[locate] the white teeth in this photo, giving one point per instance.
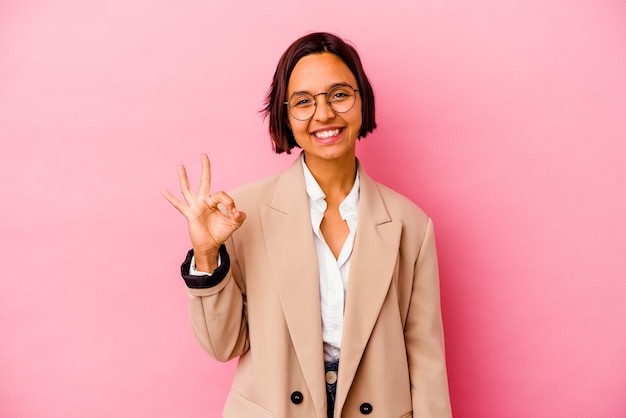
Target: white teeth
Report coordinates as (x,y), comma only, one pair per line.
(326,134)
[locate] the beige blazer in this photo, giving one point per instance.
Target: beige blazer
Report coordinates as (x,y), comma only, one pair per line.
(267,309)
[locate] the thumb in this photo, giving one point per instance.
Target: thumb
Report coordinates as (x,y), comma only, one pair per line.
(237,218)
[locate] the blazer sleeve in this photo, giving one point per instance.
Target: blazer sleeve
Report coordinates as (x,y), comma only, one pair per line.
(218,315)
(424,336)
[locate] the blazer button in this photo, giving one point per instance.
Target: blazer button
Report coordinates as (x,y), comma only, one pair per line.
(297,397)
(366,408)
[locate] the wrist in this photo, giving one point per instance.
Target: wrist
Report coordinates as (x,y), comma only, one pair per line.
(206,260)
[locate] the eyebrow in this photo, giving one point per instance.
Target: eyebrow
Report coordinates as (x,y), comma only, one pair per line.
(327,90)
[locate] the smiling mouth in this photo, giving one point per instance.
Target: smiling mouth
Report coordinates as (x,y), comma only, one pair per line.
(326,134)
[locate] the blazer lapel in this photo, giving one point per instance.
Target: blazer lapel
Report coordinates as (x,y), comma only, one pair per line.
(374,257)
(291,249)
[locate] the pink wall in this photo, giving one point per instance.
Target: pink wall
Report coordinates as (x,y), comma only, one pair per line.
(505,120)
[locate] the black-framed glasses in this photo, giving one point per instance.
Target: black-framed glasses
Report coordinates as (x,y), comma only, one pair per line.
(340,98)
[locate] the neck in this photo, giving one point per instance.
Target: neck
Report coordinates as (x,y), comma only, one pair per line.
(335,177)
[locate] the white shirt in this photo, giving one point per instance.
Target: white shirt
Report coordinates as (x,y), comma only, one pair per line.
(333,272)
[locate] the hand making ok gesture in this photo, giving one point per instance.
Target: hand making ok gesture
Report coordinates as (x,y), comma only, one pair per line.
(209,227)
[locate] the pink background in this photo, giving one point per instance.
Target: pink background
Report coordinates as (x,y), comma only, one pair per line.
(504,120)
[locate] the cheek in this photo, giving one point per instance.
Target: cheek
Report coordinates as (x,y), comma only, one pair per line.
(357,115)
(356,121)
(299,130)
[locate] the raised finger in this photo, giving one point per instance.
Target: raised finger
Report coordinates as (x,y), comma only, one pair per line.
(183,180)
(174,201)
(205,181)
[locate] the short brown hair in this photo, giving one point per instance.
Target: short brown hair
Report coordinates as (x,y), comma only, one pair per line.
(314,43)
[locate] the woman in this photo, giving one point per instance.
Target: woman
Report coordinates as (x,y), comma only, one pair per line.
(323,282)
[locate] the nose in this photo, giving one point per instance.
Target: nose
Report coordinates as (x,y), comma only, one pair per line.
(323,111)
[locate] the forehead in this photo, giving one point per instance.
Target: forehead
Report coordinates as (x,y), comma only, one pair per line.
(318,72)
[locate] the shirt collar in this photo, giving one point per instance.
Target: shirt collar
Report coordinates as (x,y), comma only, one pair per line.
(347,209)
